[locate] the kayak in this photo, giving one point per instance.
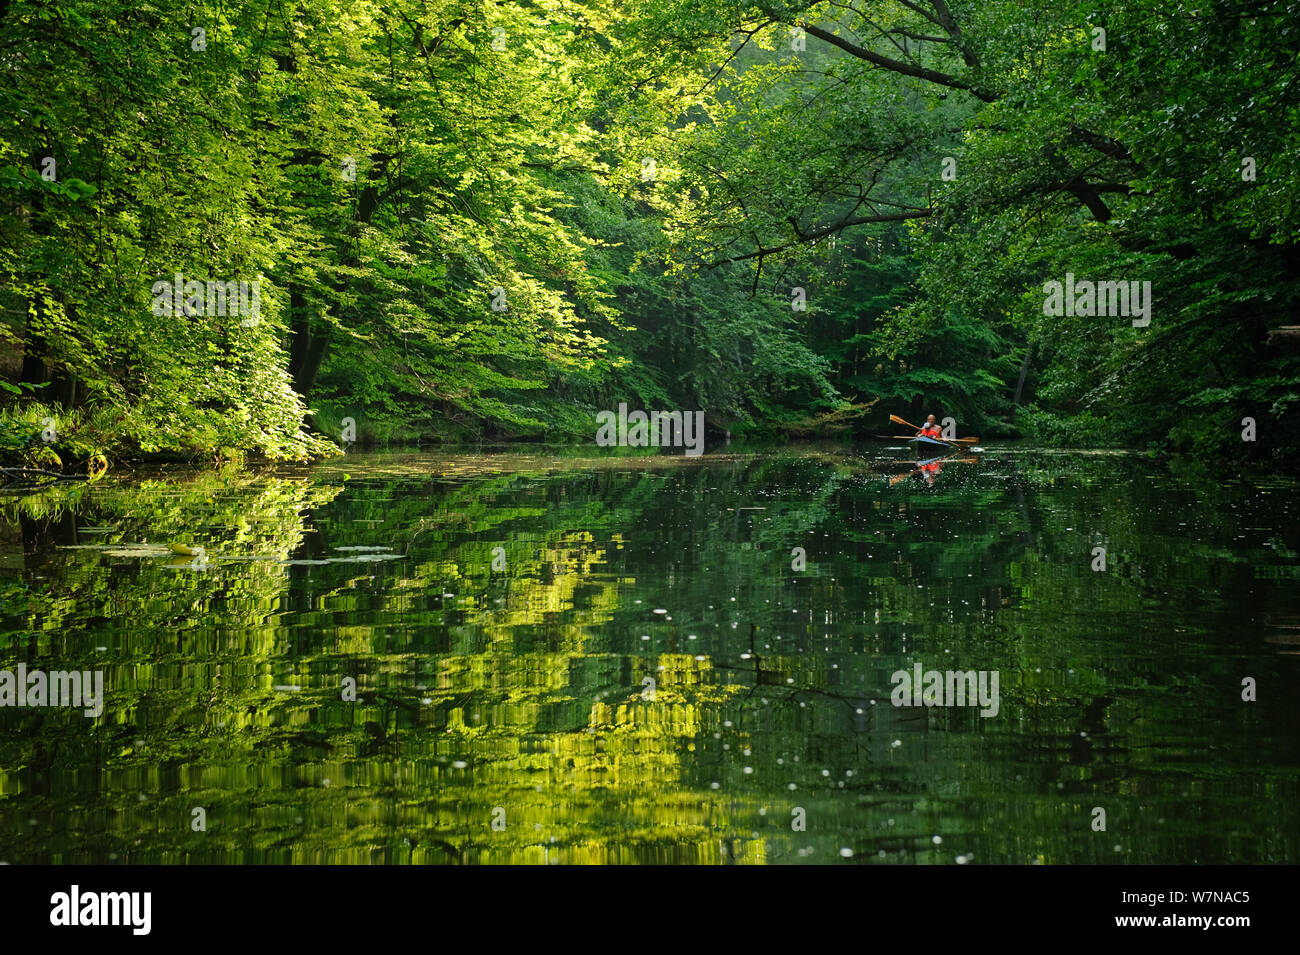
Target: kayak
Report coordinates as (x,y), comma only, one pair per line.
(929,447)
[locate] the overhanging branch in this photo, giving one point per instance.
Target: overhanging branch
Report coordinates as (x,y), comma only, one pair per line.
(822,233)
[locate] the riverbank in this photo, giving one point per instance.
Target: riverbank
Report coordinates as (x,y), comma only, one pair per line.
(39,444)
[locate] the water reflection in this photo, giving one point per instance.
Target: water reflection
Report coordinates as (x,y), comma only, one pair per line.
(551,657)
(928,469)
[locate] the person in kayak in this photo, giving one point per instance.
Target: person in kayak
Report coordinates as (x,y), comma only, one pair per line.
(930,430)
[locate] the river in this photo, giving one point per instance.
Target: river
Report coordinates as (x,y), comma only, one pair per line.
(565,656)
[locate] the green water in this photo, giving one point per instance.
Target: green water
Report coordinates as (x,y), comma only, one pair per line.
(501,712)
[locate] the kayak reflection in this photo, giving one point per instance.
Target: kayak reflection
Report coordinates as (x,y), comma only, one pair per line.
(928,470)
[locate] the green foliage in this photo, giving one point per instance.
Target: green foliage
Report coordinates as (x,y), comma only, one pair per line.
(476,221)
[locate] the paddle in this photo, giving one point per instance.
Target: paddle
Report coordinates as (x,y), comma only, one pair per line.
(897,420)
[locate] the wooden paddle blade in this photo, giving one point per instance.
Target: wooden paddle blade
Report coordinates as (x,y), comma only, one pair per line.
(897,420)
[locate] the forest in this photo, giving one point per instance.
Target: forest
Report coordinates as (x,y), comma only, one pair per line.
(269,230)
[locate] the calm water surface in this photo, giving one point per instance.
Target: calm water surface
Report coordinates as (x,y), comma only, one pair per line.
(501,616)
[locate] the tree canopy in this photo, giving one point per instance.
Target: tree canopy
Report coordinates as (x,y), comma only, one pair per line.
(468,220)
